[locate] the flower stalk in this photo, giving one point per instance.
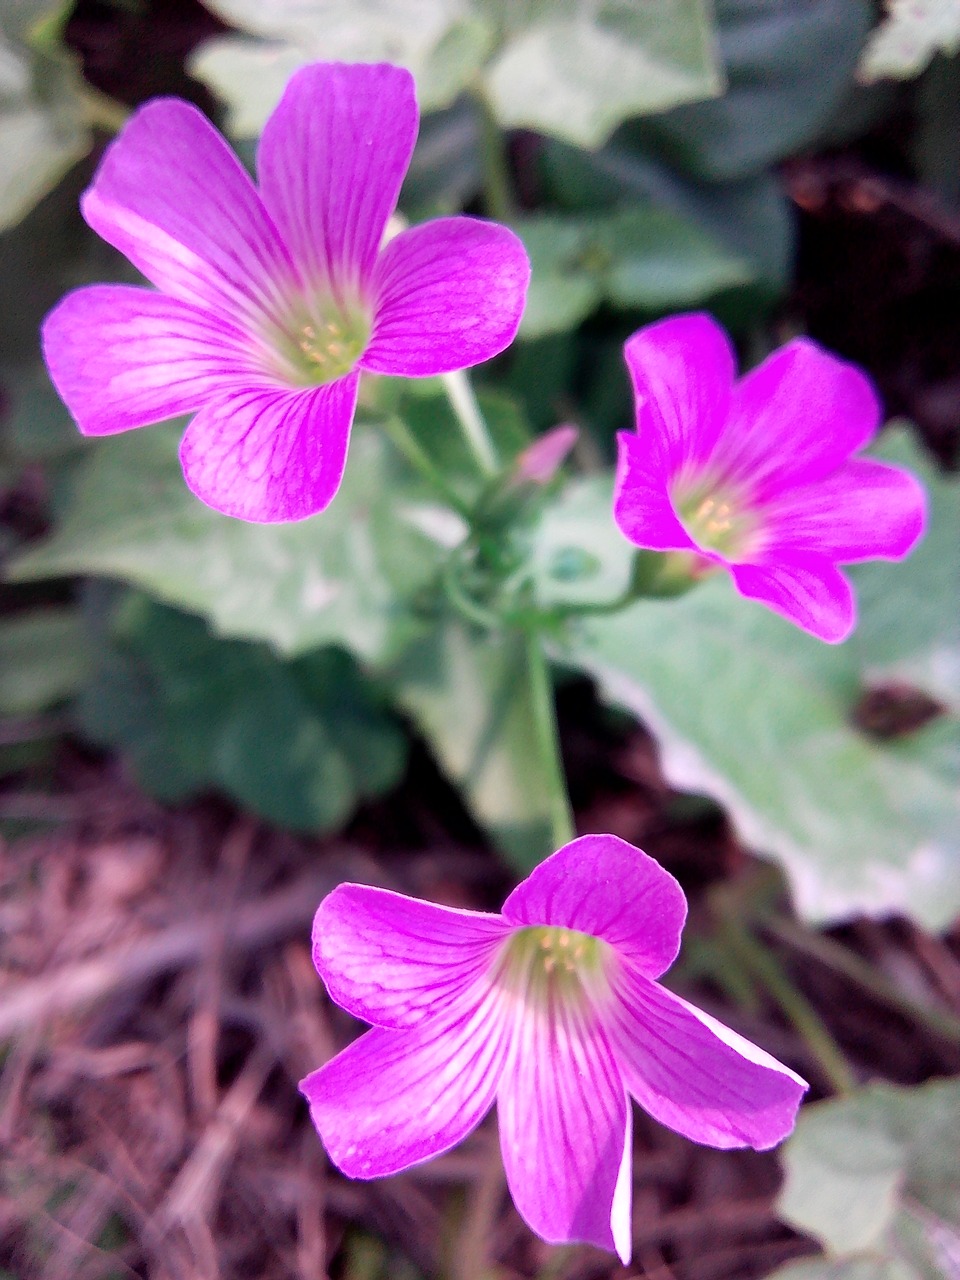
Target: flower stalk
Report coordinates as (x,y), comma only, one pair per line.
(464,404)
(548,741)
(497,188)
(406,444)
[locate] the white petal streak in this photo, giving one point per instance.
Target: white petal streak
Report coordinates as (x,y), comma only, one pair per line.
(695,1075)
(564,1126)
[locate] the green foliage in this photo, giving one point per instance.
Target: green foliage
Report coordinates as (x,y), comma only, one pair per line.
(37,426)
(576,70)
(576,555)
(876,1180)
(748,218)
(442,42)
(788,68)
(42,130)
(339,578)
(912,32)
(44,658)
(301,742)
(907,631)
(445,173)
(760,716)
(469,696)
(645,257)
(563,67)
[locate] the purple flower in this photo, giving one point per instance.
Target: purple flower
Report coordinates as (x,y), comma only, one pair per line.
(551,1010)
(272,301)
(756,476)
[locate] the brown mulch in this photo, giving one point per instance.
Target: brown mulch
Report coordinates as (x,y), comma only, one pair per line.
(158,988)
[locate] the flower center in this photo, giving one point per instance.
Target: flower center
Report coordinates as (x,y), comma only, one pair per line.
(321,343)
(718,518)
(546,960)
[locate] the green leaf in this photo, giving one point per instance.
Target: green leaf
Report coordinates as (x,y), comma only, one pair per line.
(909,629)
(567,67)
(565,284)
(37,426)
(759,715)
(847,1269)
(44,657)
(789,65)
(443,43)
(876,1180)
(300,743)
(576,554)
(248,75)
(645,257)
(338,578)
(909,37)
(469,697)
(42,131)
(750,218)
(445,172)
(576,69)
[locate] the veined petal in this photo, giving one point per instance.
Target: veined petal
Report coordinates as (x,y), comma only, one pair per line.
(448,294)
(603,886)
(175,200)
(642,507)
(393,960)
(330,163)
(123,357)
(805,588)
(565,1127)
(269,455)
(866,510)
(795,419)
(394,1098)
(692,1073)
(682,371)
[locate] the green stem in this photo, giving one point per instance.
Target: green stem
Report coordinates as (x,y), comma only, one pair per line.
(653,577)
(464,405)
(759,960)
(548,741)
(463,603)
(409,446)
(497,186)
(597,609)
(839,958)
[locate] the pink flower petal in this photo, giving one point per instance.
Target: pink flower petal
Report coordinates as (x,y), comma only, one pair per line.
(695,1075)
(270,455)
(605,887)
(795,419)
(123,357)
(175,200)
(642,507)
(394,1098)
(449,294)
(565,1129)
(393,960)
(682,371)
(804,588)
(864,511)
(331,161)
